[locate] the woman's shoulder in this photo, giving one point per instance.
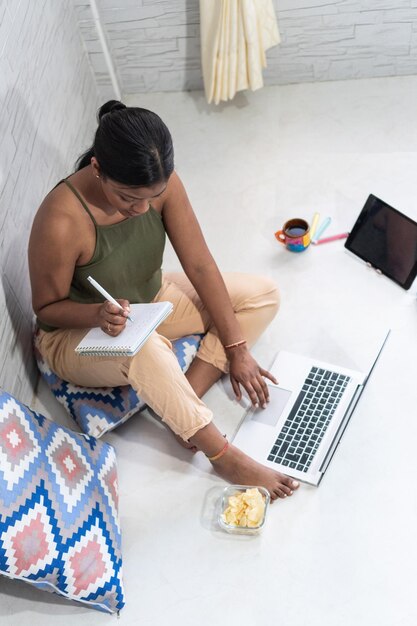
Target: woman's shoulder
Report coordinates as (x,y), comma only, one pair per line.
(172,192)
(60,211)
(62,200)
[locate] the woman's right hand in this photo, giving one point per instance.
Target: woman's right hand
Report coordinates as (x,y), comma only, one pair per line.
(111,319)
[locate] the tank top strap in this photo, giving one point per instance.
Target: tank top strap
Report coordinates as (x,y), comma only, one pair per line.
(84,205)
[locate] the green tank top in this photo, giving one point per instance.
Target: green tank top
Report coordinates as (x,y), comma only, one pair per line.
(127,260)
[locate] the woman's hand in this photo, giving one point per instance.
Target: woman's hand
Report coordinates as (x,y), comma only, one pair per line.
(111,319)
(244,371)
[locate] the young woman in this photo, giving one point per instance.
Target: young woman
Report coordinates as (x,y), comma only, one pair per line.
(109,220)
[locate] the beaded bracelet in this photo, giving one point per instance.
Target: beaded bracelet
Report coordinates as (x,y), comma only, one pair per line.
(235,345)
(219,454)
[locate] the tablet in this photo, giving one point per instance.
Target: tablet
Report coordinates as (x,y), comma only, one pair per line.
(387,240)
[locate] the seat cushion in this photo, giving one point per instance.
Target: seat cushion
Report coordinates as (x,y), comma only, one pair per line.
(59,521)
(98,410)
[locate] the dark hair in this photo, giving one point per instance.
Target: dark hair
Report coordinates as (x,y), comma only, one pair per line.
(133,146)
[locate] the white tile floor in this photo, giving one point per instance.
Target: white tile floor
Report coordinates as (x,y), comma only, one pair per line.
(341,554)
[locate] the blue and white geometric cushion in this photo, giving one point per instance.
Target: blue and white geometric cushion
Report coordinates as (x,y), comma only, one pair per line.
(59,521)
(98,410)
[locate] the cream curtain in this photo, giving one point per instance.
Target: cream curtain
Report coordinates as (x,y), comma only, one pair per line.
(234,37)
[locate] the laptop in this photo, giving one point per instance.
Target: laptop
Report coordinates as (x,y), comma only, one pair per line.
(301,427)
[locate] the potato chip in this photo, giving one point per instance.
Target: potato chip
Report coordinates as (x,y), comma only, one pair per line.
(245,509)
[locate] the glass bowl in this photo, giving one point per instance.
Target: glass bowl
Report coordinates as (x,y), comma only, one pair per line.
(224,503)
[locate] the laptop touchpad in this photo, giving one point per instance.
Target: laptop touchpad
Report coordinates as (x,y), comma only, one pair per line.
(278,399)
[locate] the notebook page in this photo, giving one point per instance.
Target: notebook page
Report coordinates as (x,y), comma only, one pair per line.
(146,317)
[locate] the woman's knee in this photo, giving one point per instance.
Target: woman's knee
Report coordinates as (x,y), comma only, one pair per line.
(155,344)
(155,355)
(271,292)
(263,292)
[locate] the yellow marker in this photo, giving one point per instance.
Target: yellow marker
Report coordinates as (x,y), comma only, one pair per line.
(313,226)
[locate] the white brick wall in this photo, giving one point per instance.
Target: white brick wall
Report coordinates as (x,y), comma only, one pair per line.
(48,102)
(155,44)
(343,39)
(94,48)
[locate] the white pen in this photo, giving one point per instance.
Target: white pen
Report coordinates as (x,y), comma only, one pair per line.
(106,294)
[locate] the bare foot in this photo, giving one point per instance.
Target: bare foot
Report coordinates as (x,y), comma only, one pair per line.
(236,467)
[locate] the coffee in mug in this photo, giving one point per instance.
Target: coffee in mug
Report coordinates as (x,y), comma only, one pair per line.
(295,235)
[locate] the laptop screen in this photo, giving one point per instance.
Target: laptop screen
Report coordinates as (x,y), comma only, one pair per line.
(387,240)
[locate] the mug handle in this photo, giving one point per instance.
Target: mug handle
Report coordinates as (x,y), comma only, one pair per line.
(279,235)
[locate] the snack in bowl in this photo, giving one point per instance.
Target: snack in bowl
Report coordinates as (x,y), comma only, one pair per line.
(243,509)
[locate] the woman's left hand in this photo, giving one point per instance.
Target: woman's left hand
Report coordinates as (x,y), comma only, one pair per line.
(244,371)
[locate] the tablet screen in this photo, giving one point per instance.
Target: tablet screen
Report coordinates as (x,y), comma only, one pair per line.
(387,240)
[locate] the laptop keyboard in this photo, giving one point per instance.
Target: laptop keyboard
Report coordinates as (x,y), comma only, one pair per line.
(306,425)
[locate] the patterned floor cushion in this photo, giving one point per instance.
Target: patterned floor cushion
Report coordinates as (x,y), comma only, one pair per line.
(98,410)
(59,523)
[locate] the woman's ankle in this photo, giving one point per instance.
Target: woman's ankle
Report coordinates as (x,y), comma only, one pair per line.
(209,440)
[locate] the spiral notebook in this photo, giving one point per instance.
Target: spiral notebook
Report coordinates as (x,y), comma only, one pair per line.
(146,317)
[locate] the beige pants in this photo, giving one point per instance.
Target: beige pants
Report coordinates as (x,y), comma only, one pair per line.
(154,371)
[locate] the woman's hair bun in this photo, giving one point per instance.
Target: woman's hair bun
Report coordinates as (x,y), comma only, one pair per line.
(110,107)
